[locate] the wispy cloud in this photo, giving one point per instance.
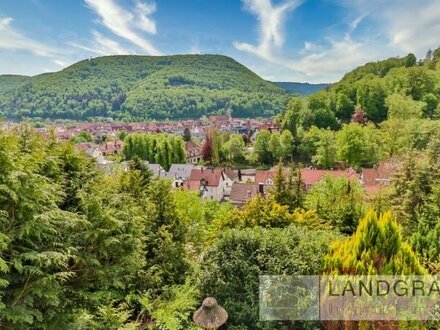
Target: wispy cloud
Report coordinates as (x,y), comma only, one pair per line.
(317,62)
(414,27)
(12,39)
(328,62)
(102,45)
(335,57)
(271,20)
(408,25)
(144,22)
(127,24)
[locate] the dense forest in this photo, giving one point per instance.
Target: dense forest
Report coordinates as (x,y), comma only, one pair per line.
(142,87)
(396,87)
(10,82)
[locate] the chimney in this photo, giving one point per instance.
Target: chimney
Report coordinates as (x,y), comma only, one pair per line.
(261,188)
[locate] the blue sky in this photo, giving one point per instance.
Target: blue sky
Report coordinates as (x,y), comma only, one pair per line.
(282,40)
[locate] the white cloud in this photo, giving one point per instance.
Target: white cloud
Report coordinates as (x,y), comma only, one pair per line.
(328,63)
(127,24)
(409,26)
(271,19)
(316,62)
(61,63)
(414,27)
(143,10)
(102,45)
(11,39)
(355,23)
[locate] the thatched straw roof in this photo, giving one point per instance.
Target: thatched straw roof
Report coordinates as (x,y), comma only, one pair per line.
(210,315)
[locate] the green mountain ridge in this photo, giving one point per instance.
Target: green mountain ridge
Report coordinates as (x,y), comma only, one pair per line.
(304,89)
(397,87)
(9,82)
(142,87)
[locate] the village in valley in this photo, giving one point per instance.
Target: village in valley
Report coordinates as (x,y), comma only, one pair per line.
(237,185)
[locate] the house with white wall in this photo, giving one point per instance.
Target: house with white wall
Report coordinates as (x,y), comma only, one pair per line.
(209,182)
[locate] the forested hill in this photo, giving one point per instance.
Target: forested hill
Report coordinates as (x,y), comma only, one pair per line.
(142,87)
(10,82)
(390,89)
(301,88)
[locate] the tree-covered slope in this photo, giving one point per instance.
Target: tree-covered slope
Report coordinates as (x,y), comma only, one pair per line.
(142,87)
(301,88)
(395,87)
(10,82)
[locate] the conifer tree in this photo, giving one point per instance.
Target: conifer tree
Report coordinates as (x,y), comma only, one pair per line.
(376,248)
(164,239)
(186,134)
(288,190)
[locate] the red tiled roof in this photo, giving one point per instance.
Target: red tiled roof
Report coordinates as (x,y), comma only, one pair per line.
(378,178)
(243,192)
(230,173)
(311,177)
(84,145)
(191,146)
(111,147)
(262,175)
(212,176)
(369,176)
(374,189)
(218,118)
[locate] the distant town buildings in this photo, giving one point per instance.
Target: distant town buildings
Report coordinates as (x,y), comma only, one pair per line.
(220,184)
(193,152)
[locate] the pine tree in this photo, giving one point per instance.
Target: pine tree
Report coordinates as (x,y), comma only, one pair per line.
(376,248)
(288,188)
(164,240)
(279,192)
(186,134)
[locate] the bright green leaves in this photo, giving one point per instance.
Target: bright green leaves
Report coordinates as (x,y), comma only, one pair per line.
(376,248)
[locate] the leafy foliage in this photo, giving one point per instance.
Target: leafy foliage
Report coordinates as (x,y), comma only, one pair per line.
(160,149)
(231,267)
(407,88)
(338,201)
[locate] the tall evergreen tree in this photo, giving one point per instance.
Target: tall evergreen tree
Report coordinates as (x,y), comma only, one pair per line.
(186,134)
(376,248)
(164,240)
(288,188)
